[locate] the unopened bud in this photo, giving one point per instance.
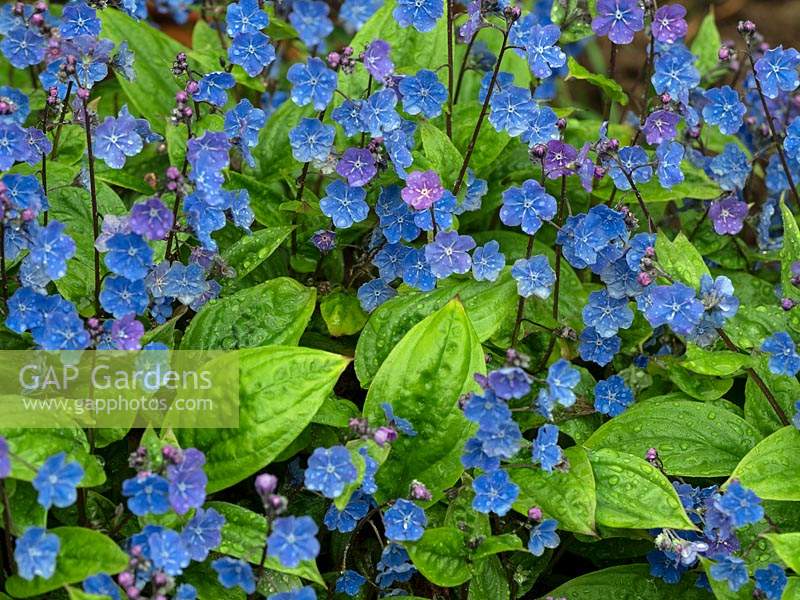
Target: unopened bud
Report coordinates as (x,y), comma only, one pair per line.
(535,513)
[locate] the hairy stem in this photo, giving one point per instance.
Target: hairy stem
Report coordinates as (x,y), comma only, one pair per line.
(484,109)
(463,67)
(651,226)
(612,68)
(448,118)
(521,301)
(93,194)
(178,195)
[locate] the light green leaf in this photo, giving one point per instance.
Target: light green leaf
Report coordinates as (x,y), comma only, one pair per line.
(610,88)
(711,440)
(273,153)
(680,259)
(489,580)
(757,409)
(627,582)
(632,494)
(441,556)
(495,544)
(342,313)
(790,252)
(280,390)
(274,312)
(578,28)
(787,545)
(83,552)
(488,146)
(78,594)
(720,363)
(251,250)
(440,153)
(244,535)
(422,379)
(567,496)
(706,43)
(772,468)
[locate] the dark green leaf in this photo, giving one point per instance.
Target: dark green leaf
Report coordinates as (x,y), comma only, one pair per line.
(790,252)
(627,582)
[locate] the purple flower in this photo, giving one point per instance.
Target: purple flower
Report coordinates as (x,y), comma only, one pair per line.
(151,219)
(126,333)
(358,166)
(669,24)
(423,188)
(203,533)
(448,253)
(660,126)
(618,19)
(187,481)
(376,60)
(5,459)
(560,159)
(728,215)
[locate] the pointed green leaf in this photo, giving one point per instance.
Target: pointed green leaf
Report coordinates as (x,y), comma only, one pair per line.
(441,556)
(772,468)
(787,545)
(627,582)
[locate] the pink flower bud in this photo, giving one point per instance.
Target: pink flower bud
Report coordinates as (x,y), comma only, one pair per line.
(535,513)
(383,435)
(644,278)
(266,484)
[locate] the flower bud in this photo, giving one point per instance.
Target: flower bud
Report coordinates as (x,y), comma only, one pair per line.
(535,513)
(787,304)
(192,87)
(125,579)
(419,491)
(384,435)
(266,484)
(651,454)
(644,278)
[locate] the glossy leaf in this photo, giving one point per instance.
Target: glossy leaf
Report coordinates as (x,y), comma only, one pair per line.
(772,468)
(441,556)
(634,581)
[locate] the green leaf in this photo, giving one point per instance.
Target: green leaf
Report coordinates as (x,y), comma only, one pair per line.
(441,556)
(440,153)
(632,494)
(252,250)
(152,93)
(422,379)
(273,152)
(696,386)
(757,409)
(711,440)
(203,577)
(772,468)
(280,390)
(488,304)
(578,28)
(278,29)
(265,198)
(495,544)
(721,589)
(83,552)
(567,496)
(244,535)
(790,252)
(77,594)
(720,363)
(681,260)
(610,88)
(274,312)
(489,580)
(25,509)
(488,146)
(706,44)
(787,545)
(627,582)
(342,313)
(34,446)
(753,323)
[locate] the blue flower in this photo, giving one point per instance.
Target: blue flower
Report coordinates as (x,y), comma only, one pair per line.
(185,591)
(423,93)
(561,381)
(312,83)
(350,583)
(330,471)
(718,299)
(311,140)
(633,163)
(374,293)
(777,71)
(167,552)
(348,115)
(501,441)
(396,217)
(310,19)
(345,205)
(417,272)
(304,593)
(399,143)
(146,494)
(101,585)
(527,206)
(35,553)
(399,423)
(534,277)
(293,540)
(510,382)
(404,521)
(245,16)
(494,493)
(731,569)
(730,168)
(741,504)
(355,13)
(377,60)
(56,481)
(202,533)
(543,536)
(209,153)
(244,122)
(62,331)
(546,450)
(606,314)
(346,520)
(129,255)
(357,165)
(378,113)
(796,417)
(443,210)
(724,109)
(184,282)
(475,457)
(771,581)
(23,47)
(543,54)
(612,396)
(251,51)
(211,88)
(675,73)
(489,411)
(448,253)
(233,572)
(78,19)
(420,14)
(115,139)
(390,260)
(512,111)
(674,305)
(368,484)
(791,143)
(13,140)
(596,348)
(542,126)
(187,481)
(666,565)
(502,82)
(618,19)
(51,248)
(670,155)
(487,261)
(25,310)
(621,281)
(394,566)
